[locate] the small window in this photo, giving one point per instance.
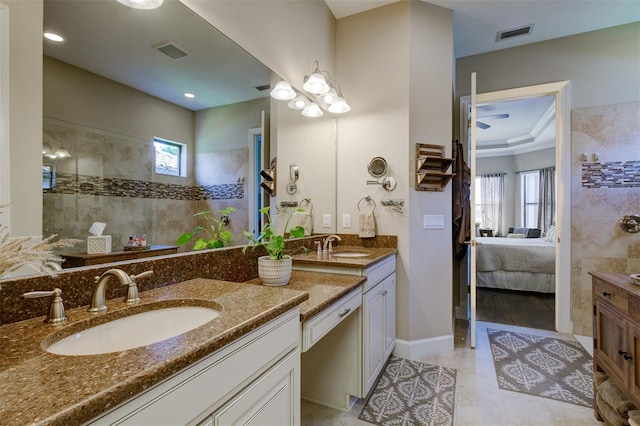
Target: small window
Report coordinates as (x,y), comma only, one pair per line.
(48,176)
(529,185)
(170,157)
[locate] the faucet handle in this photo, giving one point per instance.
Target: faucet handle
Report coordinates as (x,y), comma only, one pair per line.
(145,274)
(132,288)
(56,307)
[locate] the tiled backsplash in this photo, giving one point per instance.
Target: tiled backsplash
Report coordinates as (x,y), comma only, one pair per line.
(616,174)
(69,183)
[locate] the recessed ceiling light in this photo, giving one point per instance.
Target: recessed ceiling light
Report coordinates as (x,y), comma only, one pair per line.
(53,37)
(189,95)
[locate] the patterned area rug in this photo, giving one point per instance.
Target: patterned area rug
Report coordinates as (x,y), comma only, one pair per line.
(542,366)
(412,393)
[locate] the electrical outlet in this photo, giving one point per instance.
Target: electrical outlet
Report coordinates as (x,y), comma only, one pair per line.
(326,220)
(346,220)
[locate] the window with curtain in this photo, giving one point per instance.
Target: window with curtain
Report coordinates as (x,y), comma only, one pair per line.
(538,198)
(489,201)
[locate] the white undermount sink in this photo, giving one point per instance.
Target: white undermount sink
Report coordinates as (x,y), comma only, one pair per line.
(134,331)
(349,253)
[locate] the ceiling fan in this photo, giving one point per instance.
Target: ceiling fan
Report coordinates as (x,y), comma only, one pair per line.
(481,125)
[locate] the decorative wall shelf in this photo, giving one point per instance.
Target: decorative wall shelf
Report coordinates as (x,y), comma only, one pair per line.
(431,168)
(269,176)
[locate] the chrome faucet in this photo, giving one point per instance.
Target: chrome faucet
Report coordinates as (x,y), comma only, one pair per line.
(327,247)
(99,293)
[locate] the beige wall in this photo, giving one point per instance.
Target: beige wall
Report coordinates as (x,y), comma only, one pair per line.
(286,36)
(25,120)
(107,105)
(383,57)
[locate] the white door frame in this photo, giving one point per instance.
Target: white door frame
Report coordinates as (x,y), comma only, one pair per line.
(252,173)
(563,172)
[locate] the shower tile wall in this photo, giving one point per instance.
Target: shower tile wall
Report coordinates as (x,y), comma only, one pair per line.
(603,191)
(110,178)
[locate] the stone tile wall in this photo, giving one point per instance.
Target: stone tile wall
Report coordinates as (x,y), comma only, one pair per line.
(602,193)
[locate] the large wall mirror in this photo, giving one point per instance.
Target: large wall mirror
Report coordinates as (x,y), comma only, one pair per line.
(143,157)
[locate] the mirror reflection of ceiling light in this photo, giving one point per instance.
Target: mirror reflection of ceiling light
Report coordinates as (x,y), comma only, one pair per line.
(142,4)
(189,95)
(53,37)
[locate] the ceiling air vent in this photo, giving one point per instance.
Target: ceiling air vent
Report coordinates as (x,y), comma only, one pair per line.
(514,32)
(172,50)
(263,87)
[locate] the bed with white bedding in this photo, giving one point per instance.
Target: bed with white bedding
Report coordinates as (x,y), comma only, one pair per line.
(525,264)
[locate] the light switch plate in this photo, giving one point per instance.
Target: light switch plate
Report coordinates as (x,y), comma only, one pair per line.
(435,221)
(346,220)
(326,220)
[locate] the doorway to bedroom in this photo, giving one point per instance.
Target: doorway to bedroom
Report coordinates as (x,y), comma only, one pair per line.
(511,284)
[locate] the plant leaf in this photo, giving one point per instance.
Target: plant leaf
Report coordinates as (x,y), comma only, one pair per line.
(184,238)
(200,244)
(225,236)
(297,232)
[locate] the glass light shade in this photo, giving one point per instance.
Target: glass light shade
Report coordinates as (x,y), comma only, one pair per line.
(46,149)
(312,111)
(328,98)
(316,84)
(53,37)
(340,106)
(62,153)
(299,102)
(283,91)
(142,4)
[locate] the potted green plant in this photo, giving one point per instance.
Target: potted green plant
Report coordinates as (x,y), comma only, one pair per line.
(275,268)
(216,237)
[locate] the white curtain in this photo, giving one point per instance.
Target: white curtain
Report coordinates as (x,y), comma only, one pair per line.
(547,198)
(492,196)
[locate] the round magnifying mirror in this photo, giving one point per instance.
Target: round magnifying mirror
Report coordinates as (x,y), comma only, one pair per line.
(377,167)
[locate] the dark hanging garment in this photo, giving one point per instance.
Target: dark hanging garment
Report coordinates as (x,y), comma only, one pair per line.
(461,204)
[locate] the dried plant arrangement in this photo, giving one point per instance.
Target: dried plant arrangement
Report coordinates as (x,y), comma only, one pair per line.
(18,252)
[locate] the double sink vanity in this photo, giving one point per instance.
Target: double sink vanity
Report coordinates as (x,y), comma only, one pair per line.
(241,353)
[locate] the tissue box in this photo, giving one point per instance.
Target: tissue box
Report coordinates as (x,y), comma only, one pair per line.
(101,244)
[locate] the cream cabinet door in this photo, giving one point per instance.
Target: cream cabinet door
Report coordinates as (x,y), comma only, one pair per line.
(389,301)
(271,400)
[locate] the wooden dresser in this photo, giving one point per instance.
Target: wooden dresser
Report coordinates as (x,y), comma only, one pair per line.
(84,259)
(616,332)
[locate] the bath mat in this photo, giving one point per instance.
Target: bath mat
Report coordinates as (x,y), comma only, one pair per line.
(542,366)
(412,393)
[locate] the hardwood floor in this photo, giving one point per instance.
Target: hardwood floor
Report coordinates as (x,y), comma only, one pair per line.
(523,309)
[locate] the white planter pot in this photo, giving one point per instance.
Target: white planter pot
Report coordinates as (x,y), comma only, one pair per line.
(274,272)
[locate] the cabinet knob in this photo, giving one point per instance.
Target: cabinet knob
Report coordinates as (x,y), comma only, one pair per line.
(606,294)
(384,293)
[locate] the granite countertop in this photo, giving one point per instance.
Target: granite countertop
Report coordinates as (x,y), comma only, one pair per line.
(323,289)
(377,254)
(37,387)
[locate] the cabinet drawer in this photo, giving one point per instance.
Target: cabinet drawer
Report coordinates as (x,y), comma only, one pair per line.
(379,271)
(319,325)
(612,295)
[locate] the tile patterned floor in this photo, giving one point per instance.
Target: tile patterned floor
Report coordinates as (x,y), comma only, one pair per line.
(479,401)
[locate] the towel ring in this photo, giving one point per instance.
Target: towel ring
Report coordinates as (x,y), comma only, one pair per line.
(308,201)
(370,200)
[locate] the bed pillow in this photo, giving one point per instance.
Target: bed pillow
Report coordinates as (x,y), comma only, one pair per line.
(551,234)
(515,235)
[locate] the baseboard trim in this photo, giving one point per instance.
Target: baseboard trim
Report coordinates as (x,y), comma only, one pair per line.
(415,349)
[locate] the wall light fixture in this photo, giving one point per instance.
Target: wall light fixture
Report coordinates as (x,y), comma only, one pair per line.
(319,86)
(142,4)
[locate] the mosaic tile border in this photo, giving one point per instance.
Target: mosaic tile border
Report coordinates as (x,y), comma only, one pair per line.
(70,183)
(616,174)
